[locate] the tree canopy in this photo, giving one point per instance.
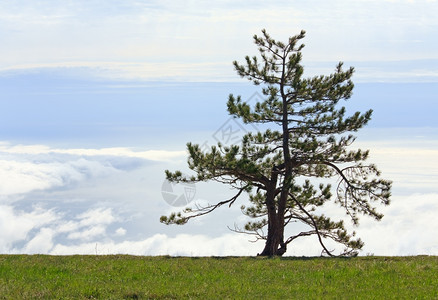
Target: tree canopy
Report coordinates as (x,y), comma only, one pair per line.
(303,159)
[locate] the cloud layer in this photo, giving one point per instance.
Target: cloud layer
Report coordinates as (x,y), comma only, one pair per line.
(198,41)
(27,168)
(96,201)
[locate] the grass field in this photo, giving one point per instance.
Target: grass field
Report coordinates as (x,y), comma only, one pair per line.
(134,277)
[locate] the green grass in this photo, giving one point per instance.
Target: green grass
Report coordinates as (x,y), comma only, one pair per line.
(133,277)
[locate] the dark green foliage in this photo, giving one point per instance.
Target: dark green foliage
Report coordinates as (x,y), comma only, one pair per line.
(308,143)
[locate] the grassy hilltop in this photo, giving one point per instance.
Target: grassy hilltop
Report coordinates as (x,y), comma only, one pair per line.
(134,277)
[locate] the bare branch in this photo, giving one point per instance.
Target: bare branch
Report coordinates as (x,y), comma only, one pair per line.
(314,225)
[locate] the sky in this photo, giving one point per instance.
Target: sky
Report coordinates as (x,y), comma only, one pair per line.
(99,98)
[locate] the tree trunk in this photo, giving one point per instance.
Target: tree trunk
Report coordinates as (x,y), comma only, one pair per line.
(274,243)
(275,239)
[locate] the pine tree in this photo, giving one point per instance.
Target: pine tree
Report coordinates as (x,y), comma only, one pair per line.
(288,170)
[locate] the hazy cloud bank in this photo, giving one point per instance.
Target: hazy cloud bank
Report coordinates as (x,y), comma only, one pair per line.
(108,201)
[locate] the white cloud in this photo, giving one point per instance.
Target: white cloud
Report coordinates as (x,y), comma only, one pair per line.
(169,71)
(16,225)
(161,244)
(68,226)
(96,216)
(26,168)
(410,164)
(42,242)
(93,224)
(156,155)
(120,231)
(408,228)
(198,40)
(87,234)
(20,177)
(40,228)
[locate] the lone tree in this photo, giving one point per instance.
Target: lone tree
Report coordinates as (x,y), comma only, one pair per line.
(287,169)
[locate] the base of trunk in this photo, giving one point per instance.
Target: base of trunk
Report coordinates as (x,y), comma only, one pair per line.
(271,250)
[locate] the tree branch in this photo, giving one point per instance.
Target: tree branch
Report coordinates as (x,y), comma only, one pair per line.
(314,225)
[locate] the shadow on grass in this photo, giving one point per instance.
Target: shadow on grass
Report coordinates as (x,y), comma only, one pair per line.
(297,258)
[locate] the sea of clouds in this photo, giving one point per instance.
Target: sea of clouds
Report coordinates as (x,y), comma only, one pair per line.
(108,201)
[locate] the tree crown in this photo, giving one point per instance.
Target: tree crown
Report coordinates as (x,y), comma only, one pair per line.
(309,136)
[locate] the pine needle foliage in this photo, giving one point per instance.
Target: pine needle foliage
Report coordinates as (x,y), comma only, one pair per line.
(301,162)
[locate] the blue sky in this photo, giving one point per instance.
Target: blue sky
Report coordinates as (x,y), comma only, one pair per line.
(98,98)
